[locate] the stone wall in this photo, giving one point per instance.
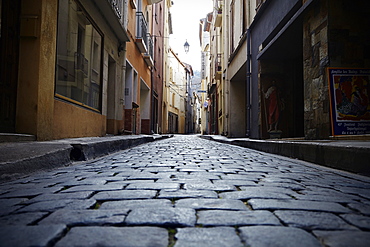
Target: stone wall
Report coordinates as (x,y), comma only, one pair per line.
(334,35)
(349,37)
(315,61)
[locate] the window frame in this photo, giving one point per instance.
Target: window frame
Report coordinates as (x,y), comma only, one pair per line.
(101,66)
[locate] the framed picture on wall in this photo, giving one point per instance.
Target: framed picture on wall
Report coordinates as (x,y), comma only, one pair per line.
(349,101)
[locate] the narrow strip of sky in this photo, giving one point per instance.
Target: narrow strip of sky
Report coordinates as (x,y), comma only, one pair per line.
(186,15)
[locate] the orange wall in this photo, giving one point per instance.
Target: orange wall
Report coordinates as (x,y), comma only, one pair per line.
(136,59)
(79,122)
(133,54)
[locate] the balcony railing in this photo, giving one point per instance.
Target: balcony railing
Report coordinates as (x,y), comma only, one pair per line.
(148,56)
(150,45)
(144,40)
(117,7)
(141,26)
(141,32)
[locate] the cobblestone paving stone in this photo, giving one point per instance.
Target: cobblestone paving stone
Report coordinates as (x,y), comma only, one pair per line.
(187,191)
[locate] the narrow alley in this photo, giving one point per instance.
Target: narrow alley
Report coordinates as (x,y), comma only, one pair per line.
(187,191)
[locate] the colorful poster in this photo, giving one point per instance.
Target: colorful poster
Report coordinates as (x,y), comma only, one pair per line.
(349,101)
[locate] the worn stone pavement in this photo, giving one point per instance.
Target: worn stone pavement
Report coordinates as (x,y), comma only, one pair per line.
(187,191)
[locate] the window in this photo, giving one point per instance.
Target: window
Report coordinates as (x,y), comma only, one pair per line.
(79,57)
(231,26)
(171,75)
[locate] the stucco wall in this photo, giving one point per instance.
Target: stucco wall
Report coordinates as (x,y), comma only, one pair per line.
(237,109)
(38,112)
(35,96)
(74,121)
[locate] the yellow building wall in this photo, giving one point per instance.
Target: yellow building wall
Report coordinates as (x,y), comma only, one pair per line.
(182,124)
(35,96)
(74,121)
(38,112)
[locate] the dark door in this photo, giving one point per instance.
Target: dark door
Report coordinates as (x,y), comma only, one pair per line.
(155,112)
(214,115)
(9,54)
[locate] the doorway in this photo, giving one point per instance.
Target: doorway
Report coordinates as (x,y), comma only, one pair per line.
(112,127)
(9,56)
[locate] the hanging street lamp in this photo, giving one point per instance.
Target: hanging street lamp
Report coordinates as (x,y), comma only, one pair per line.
(186,46)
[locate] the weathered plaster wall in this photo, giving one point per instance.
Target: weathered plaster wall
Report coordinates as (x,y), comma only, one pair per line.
(35,97)
(74,121)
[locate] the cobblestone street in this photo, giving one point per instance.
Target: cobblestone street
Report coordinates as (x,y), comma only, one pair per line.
(187,191)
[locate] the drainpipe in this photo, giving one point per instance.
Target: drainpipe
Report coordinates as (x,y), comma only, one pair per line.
(248,88)
(151,120)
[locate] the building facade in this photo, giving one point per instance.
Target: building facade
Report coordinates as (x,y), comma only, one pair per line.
(139,63)
(235,26)
(65,78)
(189,100)
(76,68)
(176,94)
(166,67)
(335,36)
(216,85)
(205,77)
(158,24)
(277,58)
(89,73)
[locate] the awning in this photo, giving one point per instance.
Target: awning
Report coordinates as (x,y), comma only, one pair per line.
(284,44)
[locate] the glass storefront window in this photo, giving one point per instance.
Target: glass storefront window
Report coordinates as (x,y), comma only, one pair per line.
(79,56)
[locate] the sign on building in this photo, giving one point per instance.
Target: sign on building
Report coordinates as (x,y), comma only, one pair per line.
(349,101)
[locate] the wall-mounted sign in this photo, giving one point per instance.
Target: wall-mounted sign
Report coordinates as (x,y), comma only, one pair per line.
(349,101)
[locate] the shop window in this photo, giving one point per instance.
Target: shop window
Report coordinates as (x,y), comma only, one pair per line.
(79,57)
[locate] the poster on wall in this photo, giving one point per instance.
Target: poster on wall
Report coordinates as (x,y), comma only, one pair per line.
(349,101)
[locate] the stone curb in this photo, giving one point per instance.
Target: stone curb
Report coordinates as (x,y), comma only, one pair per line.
(88,150)
(19,159)
(58,155)
(335,154)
